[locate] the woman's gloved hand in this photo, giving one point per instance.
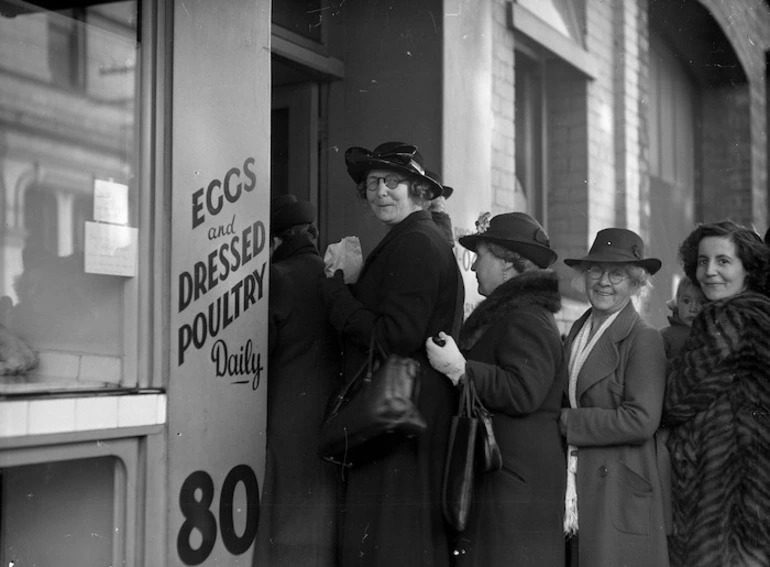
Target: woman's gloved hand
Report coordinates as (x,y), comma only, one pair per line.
(446,359)
(332,287)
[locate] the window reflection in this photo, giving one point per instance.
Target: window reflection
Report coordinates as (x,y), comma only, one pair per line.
(68,84)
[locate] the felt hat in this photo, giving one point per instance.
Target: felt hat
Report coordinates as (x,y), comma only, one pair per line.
(515,231)
(287,211)
(395,156)
(617,246)
(447,190)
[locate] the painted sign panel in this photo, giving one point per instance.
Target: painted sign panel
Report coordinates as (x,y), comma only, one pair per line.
(219,275)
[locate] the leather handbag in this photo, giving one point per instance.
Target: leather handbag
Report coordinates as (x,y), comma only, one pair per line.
(460,465)
(374,411)
(489,455)
(472,448)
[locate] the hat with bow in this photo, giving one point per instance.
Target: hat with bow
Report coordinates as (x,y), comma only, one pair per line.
(393,156)
(617,246)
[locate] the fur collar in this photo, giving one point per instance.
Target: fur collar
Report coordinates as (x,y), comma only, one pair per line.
(530,288)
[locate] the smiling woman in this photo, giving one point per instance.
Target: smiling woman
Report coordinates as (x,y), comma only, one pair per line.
(614,507)
(409,289)
(717,404)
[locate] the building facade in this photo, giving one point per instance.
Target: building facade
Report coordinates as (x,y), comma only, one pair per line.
(141,142)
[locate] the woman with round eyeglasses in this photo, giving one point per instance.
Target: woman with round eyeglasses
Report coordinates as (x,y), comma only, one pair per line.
(717,404)
(614,506)
(408,290)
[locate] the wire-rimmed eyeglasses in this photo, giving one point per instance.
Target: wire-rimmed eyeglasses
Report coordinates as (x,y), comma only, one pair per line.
(615,275)
(391,181)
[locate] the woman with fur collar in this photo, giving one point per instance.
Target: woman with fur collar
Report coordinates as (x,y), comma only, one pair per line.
(510,348)
(717,404)
(615,506)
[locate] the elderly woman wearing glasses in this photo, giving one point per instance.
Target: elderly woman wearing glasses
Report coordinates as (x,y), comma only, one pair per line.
(614,507)
(409,289)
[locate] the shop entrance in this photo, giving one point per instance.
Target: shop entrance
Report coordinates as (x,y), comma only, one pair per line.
(294,134)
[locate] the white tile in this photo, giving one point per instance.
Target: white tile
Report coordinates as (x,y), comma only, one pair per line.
(13,418)
(100,368)
(100,412)
(161,415)
(59,364)
(136,410)
(51,416)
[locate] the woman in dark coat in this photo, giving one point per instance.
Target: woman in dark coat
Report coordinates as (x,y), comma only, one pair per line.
(616,494)
(511,350)
(299,497)
(408,290)
(718,405)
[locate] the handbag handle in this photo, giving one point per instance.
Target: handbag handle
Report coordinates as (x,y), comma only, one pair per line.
(466,404)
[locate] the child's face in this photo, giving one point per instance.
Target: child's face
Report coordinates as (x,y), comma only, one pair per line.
(689,303)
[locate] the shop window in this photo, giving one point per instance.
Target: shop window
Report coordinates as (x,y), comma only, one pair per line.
(66,54)
(69,243)
(62,513)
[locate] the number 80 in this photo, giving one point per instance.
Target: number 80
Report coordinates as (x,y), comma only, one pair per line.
(198,516)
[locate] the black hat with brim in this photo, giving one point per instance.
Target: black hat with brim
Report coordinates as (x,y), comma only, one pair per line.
(394,156)
(518,232)
(617,246)
(287,211)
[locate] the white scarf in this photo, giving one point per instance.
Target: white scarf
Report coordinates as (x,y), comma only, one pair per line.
(581,348)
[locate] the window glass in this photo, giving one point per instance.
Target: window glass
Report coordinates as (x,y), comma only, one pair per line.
(60,513)
(68,240)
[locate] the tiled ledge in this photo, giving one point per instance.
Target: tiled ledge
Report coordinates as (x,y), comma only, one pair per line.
(20,418)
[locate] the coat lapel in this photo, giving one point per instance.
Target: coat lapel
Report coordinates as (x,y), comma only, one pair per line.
(412,219)
(604,357)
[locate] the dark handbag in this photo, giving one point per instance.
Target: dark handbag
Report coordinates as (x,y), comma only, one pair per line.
(373,412)
(472,444)
(460,466)
(489,455)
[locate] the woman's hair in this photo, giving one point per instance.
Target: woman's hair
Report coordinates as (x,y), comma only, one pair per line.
(419,189)
(287,233)
(639,277)
(520,263)
(751,250)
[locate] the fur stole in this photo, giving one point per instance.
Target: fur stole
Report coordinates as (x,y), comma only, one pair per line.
(539,287)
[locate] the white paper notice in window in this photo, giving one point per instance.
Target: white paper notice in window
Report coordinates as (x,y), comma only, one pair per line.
(110,202)
(110,249)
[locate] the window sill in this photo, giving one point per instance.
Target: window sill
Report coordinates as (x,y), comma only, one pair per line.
(53,415)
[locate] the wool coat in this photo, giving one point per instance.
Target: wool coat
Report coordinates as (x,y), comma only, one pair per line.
(299,498)
(515,359)
(407,292)
(718,408)
(674,337)
(620,495)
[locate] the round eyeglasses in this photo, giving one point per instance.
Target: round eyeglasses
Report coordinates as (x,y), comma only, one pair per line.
(391,181)
(615,275)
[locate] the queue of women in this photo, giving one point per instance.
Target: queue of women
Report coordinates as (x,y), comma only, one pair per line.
(621,444)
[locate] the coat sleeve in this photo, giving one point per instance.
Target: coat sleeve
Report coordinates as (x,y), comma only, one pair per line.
(410,288)
(637,414)
(700,374)
(526,360)
(279,307)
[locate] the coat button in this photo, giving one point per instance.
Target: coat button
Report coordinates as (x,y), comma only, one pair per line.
(602,471)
